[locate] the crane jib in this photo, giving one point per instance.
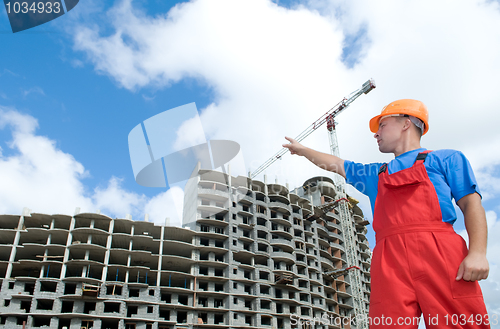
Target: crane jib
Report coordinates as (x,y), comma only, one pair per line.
(330,115)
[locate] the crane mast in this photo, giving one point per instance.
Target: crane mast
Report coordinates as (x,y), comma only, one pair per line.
(346,223)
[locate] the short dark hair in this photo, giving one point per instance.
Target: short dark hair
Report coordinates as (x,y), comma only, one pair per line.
(419,131)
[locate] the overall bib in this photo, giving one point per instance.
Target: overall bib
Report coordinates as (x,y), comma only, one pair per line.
(416,258)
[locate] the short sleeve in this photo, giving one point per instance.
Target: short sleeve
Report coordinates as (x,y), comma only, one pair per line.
(364,177)
(460,176)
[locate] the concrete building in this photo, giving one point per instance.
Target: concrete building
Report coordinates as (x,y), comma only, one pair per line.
(250,254)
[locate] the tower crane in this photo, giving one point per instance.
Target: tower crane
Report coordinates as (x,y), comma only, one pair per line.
(352,257)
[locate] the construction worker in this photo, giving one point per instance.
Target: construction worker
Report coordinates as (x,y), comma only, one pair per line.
(419,264)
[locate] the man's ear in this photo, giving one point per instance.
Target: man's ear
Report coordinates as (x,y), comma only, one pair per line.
(407,124)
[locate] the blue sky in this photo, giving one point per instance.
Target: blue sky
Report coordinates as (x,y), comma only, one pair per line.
(87,114)
(257,70)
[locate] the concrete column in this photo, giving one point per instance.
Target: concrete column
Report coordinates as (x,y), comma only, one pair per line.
(69,240)
(42,271)
(127,274)
(14,247)
(160,259)
(129,259)
(108,247)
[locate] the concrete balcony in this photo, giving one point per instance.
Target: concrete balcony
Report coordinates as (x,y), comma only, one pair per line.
(360,220)
(283,256)
(364,245)
(280,231)
(336,236)
(366,261)
(321,228)
(336,246)
(77,245)
(280,206)
(89,230)
(280,241)
(327,263)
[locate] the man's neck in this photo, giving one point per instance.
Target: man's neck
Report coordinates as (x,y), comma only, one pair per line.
(407,147)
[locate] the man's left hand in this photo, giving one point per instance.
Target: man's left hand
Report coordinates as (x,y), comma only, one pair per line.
(473,267)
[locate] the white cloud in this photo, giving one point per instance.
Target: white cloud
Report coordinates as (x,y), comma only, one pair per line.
(40,176)
(117,200)
(36,90)
(76,63)
(5,71)
(489,182)
(148,98)
(189,133)
(21,124)
(165,205)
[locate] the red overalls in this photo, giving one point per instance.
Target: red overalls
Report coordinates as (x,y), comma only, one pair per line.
(416,258)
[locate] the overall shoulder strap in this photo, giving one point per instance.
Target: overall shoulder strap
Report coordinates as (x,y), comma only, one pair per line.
(422,156)
(383,168)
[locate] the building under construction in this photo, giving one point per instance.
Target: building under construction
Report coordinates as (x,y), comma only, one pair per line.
(250,254)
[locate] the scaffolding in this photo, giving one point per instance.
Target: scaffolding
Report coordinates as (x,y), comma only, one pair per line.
(90,290)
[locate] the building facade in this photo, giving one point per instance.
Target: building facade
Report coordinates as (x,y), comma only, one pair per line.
(250,254)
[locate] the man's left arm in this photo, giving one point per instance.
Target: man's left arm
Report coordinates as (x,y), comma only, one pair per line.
(475,265)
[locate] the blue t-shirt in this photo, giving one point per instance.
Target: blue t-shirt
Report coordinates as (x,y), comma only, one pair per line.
(448,170)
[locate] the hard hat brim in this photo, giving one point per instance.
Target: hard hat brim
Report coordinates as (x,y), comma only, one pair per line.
(374,122)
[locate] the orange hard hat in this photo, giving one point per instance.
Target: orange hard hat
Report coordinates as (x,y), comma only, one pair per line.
(403,106)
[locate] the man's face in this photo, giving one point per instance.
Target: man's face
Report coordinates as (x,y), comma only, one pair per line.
(389,133)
